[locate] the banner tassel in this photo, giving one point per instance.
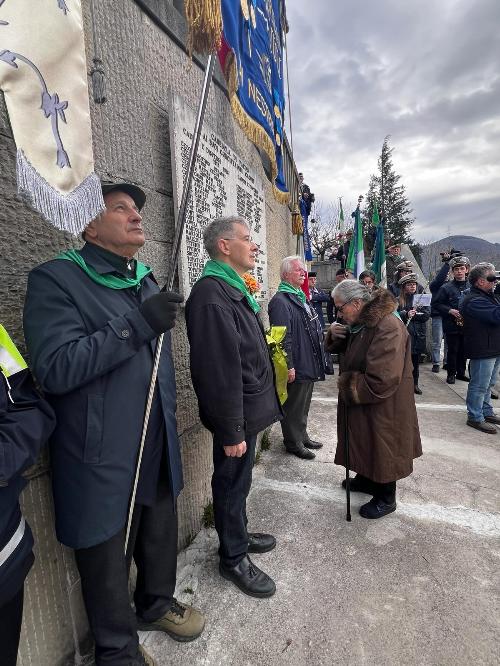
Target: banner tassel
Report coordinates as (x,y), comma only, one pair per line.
(71,212)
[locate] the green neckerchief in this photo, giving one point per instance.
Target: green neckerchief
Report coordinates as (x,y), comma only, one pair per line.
(107,279)
(287,288)
(223,271)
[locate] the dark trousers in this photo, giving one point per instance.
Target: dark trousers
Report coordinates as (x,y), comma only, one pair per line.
(455,359)
(385,491)
(231,483)
(415,359)
(11,617)
(296,411)
(104,573)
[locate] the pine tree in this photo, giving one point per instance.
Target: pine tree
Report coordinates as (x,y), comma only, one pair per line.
(393,204)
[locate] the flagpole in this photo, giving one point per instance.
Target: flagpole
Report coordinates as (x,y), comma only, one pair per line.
(174,257)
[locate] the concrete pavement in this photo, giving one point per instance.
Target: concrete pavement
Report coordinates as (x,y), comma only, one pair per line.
(419,586)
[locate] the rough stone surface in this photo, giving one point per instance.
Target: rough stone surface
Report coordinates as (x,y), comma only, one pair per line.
(143,67)
(419,586)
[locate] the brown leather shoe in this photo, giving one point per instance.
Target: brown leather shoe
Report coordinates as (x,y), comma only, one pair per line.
(144,659)
(493,419)
(181,622)
(482,426)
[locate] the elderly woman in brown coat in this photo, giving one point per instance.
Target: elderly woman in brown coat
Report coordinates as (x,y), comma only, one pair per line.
(375,394)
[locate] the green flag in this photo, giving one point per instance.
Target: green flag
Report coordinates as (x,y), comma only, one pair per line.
(379,264)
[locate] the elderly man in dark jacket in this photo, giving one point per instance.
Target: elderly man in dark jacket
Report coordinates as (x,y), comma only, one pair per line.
(304,348)
(91,321)
(233,378)
(480,310)
(26,422)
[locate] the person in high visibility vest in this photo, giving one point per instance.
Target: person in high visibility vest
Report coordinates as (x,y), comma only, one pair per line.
(26,422)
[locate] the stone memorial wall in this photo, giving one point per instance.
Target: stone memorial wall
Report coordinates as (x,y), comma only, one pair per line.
(223,185)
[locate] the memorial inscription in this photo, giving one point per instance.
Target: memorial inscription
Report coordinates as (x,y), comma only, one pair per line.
(222,185)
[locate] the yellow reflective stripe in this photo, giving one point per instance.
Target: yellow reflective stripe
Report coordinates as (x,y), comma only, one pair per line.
(11,360)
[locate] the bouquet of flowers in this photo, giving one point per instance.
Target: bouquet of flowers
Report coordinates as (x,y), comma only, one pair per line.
(251,283)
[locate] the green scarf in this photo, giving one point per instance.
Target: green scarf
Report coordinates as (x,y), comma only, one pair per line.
(108,279)
(288,289)
(224,272)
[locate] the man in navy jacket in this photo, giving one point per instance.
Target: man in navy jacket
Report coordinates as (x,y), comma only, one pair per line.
(26,422)
(480,310)
(91,321)
(304,348)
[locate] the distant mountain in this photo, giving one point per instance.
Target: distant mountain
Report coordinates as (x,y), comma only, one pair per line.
(477,249)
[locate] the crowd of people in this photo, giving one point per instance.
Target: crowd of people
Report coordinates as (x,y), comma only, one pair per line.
(92,319)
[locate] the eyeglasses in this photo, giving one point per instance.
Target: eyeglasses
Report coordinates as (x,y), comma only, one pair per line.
(341,307)
(245,239)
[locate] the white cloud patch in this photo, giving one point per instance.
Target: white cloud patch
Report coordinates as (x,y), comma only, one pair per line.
(424,72)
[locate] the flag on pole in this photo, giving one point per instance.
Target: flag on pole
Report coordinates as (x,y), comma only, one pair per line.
(379,264)
(356,258)
(305,222)
(341,219)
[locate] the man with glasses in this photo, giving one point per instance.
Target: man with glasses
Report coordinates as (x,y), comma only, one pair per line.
(304,348)
(234,382)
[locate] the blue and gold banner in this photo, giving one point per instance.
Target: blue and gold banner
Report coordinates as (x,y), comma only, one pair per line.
(251,56)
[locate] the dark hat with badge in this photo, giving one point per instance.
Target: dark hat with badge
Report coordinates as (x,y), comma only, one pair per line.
(138,195)
(312,274)
(411,277)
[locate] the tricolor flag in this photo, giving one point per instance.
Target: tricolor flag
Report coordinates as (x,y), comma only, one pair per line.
(356,258)
(341,219)
(379,265)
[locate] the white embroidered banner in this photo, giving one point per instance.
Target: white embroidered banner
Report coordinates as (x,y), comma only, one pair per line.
(43,74)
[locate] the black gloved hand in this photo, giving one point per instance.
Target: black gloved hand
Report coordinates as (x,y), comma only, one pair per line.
(160,310)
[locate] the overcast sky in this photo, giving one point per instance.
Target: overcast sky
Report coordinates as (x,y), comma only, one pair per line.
(427,72)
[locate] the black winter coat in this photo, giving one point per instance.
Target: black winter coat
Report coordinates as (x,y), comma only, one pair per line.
(436,285)
(448,298)
(304,337)
(92,352)
(231,369)
(25,425)
(481,313)
(417,327)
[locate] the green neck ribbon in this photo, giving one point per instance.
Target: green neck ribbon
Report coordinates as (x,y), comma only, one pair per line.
(110,280)
(224,272)
(288,289)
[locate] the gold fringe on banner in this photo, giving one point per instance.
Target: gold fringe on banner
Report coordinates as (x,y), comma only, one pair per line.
(252,129)
(297,223)
(204,19)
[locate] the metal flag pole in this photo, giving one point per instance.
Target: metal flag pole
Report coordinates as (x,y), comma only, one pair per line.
(347,477)
(174,257)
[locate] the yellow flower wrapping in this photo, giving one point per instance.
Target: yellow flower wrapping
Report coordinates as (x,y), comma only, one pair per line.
(274,338)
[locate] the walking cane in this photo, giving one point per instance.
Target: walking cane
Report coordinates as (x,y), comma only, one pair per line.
(347,477)
(179,229)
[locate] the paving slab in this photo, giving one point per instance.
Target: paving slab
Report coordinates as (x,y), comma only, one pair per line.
(419,586)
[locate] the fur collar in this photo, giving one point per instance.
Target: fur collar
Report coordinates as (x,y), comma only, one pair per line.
(382,304)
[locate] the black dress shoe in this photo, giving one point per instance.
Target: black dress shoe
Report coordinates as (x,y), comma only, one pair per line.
(260,543)
(494,396)
(463,378)
(249,578)
(302,452)
(376,508)
(445,366)
(359,484)
(311,444)
(417,389)
(451,378)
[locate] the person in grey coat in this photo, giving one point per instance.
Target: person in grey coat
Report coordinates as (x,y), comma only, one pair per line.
(304,348)
(91,321)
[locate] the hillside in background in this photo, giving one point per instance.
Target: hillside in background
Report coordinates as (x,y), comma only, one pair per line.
(475,248)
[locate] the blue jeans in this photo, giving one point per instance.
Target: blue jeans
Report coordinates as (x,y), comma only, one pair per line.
(437,338)
(483,375)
